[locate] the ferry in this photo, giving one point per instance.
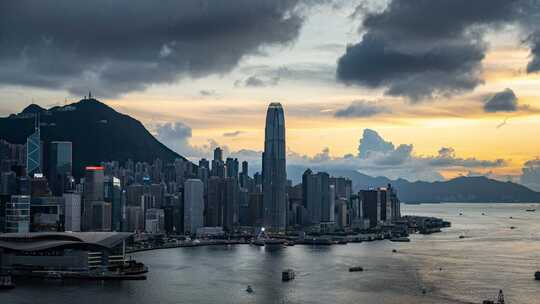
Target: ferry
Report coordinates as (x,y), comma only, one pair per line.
(6,282)
(287,275)
(400,239)
(500,299)
(356,269)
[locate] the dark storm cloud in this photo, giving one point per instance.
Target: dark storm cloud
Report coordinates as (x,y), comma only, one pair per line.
(119,46)
(422,48)
(505,101)
(360,109)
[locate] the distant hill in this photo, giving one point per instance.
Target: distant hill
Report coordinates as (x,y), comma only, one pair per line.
(97,132)
(461,189)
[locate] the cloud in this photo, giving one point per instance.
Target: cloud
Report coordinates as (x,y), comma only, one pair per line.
(371,142)
(504,101)
(375,157)
(424,49)
(530,175)
(258,82)
(361,109)
(126,45)
(378,157)
(207,93)
(176,136)
(232,134)
(447,158)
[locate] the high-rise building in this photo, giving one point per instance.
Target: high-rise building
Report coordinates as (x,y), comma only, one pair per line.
(34,152)
(222,208)
(218,167)
(113,195)
(18,214)
(72,218)
(155,221)
(60,165)
(232,167)
(317,196)
(93,199)
(274,173)
(218,154)
(193,205)
(342,186)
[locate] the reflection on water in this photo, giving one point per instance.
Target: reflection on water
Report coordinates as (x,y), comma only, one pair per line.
(450,269)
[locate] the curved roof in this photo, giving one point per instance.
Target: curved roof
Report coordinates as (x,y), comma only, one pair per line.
(36,241)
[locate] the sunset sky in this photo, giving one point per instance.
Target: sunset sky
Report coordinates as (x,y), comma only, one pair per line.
(458,80)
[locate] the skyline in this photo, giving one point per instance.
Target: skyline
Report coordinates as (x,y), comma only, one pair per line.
(295,61)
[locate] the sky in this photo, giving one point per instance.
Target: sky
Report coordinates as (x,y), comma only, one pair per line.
(419,89)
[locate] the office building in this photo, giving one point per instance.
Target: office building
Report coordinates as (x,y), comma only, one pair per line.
(72,216)
(18,214)
(93,200)
(34,152)
(318,199)
(60,165)
(47,214)
(154,221)
(193,205)
(232,167)
(113,195)
(274,175)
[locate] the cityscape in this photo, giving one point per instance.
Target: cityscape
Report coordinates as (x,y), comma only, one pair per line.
(270,151)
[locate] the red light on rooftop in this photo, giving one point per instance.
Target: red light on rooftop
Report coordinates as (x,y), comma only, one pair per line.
(93,168)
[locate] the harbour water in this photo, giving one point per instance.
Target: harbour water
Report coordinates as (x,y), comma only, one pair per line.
(490,256)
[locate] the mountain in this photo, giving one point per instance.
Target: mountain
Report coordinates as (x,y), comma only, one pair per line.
(461,189)
(97,132)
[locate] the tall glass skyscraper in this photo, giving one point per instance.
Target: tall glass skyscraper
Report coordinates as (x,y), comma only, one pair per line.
(60,165)
(33,152)
(274,172)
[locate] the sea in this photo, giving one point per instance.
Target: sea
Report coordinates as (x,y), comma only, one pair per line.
(436,268)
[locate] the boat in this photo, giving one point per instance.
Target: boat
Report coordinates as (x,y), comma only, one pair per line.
(400,239)
(52,275)
(531,210)
(537,275)
(500,299)
(6,282)
(356,269)
(287,275)
(249,289)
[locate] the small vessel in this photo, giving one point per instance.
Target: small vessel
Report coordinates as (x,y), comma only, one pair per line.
(500,299)
(512,227)
(530,210)
(394,250)
(249,289)
(53,275)
(287,275)
(461,236)
(537,275)
(400,239)
(356,269)
(6,282)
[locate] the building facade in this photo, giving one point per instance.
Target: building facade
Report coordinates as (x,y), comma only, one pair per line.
(274,173)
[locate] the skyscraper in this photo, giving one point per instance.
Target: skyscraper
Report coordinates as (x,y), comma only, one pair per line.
(33,151)
(193,205)
(274,174)
(60,165)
